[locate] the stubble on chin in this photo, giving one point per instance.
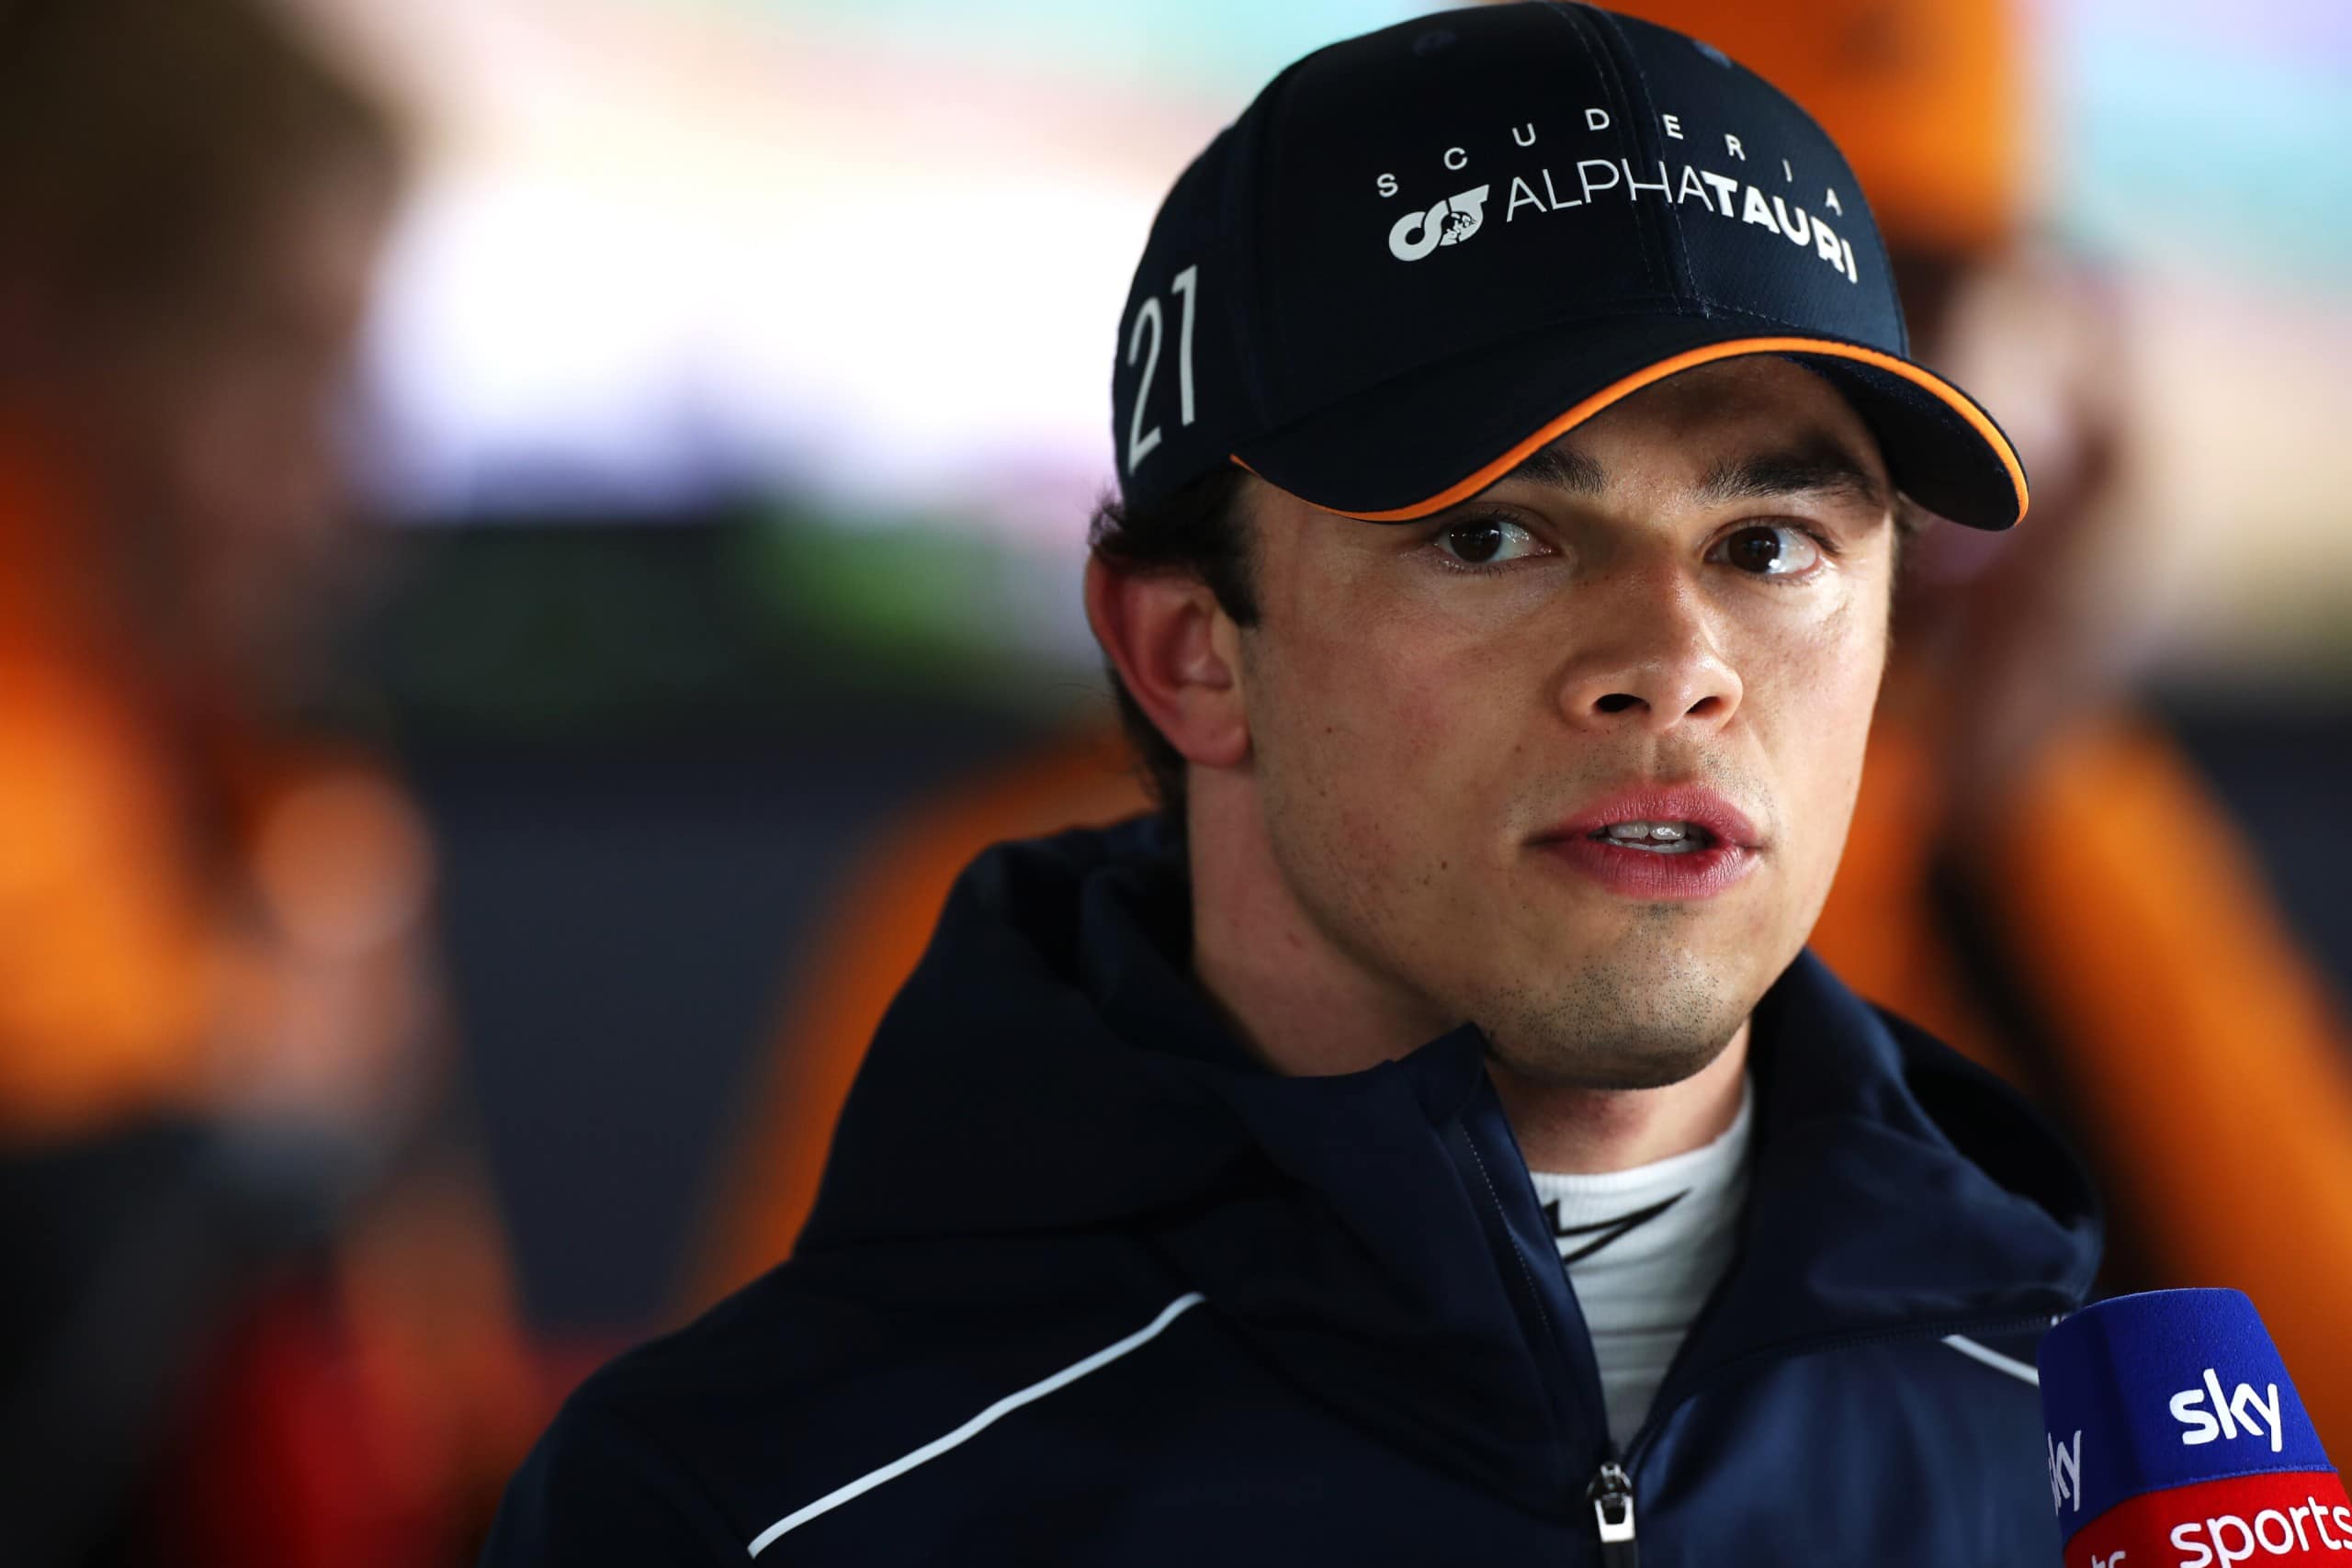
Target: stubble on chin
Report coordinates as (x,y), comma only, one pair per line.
(1646,1016)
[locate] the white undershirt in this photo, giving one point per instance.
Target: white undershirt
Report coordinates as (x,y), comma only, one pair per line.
(1642,1280)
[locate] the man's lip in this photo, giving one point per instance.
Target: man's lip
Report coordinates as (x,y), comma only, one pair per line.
(1663,803)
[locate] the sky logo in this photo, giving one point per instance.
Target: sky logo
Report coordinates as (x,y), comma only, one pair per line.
(2240,1409)
(2065,1472)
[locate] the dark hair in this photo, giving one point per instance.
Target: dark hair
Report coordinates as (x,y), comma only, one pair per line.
(1199,532)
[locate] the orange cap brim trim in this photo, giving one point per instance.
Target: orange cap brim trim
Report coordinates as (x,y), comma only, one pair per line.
(1944,392)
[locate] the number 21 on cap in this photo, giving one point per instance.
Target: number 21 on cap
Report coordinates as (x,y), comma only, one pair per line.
(1139,440)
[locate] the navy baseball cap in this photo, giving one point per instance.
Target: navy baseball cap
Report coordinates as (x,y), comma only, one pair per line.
(1424,253)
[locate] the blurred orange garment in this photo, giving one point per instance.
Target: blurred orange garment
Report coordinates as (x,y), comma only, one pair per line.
(110,977)
(222,925)
(878,928)
(2202,1058)
(2165,987)
(1925,98)
(197,915)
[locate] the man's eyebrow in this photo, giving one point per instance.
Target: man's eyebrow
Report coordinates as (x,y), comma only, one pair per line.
(1817,465)
(1563,467)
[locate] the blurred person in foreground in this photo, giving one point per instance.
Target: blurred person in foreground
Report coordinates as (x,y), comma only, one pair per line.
(2035,872)
(250,1293)
(1426,1137)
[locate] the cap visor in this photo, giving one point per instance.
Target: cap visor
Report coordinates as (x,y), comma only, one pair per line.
(1423,442)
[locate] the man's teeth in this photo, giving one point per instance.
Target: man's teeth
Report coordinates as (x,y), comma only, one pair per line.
(1659,837)
(1665,832)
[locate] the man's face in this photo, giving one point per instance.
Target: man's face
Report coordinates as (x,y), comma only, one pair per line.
(1693,592)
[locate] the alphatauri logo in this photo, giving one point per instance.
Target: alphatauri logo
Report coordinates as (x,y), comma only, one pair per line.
(1450,222)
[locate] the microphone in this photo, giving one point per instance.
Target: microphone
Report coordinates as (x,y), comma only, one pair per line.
(2176,1440)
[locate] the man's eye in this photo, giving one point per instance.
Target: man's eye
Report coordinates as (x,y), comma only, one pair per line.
(1769,549)
(1487,541)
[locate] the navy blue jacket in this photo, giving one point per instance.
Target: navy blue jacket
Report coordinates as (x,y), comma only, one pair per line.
(1084,1285)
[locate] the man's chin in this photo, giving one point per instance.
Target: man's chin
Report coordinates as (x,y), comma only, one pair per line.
(1620,1063)
(1606,1030)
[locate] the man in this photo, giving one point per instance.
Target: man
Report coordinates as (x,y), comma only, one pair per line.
(1425,1140)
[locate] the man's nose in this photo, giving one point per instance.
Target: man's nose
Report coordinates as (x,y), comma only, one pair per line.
(1647,656)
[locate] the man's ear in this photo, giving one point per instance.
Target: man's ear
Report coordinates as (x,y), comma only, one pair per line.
(1177,651)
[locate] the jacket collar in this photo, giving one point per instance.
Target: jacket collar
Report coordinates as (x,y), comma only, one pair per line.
(1376,1234)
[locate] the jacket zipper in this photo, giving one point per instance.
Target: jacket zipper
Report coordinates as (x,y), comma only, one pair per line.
(1611,1491)
(1612,1495)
